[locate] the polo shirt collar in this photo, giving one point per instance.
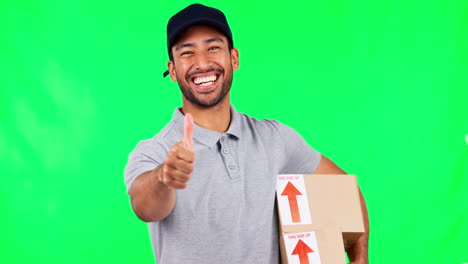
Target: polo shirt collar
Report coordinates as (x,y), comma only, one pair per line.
(235,126)
(209,137)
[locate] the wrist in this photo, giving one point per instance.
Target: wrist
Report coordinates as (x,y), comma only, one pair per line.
(158,176)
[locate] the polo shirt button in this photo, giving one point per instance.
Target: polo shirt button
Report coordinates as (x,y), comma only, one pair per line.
(225,151)
(232,167)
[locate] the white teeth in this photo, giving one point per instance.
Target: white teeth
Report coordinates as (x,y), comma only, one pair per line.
(205,80)
(206,84)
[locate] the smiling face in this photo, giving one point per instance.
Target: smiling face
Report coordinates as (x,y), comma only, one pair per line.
(202,65)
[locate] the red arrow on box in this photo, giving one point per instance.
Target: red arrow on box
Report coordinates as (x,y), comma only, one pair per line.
(302,250)
(291,191)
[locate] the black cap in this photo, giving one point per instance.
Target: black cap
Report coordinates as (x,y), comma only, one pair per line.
(196,14)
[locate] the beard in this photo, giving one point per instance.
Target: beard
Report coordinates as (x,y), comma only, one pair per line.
(225,88)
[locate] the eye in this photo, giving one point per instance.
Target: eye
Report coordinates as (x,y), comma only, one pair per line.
(213,48)
(187,52)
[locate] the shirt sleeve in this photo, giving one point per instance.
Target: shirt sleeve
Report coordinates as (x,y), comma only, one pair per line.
(299,157)
(146,156)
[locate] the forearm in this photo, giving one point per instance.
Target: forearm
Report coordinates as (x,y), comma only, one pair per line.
(151,200)
(358,253)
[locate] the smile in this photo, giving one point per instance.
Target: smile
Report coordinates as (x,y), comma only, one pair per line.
(205,81)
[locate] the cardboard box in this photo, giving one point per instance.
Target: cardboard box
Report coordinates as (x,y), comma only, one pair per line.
(317,245)
(321,208)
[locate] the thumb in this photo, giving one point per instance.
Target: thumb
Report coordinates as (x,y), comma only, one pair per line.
(188,132)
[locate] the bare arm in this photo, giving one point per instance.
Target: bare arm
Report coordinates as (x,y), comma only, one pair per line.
(358,252)
(153,193)
(151,199)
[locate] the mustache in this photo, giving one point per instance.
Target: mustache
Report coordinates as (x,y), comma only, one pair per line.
(190,74)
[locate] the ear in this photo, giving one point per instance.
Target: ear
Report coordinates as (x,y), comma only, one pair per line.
(235,58)
(171,69)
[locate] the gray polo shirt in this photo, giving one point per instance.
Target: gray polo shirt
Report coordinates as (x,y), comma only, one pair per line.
(227,212)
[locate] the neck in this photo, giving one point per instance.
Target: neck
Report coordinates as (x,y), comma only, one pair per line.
(216,118)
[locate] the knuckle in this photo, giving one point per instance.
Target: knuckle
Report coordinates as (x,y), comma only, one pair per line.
(171,161)
(191,156)
(174,149)
(185,177)
(167,180)
(166,169)
(186,168)
(179,163)
(191,168)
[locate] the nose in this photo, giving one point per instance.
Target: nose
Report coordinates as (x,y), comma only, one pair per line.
(203,62)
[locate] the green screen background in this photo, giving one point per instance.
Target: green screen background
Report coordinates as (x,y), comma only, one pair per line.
(380,87)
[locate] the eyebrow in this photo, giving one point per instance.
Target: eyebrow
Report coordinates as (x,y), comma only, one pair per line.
(184,45)
(214,40)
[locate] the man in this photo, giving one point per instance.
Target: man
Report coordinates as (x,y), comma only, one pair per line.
(206,182)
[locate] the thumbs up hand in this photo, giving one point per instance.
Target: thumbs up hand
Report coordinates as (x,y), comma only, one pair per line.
(179,161)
